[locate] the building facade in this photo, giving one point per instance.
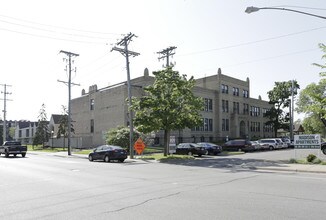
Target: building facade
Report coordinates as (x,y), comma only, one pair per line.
(229,111)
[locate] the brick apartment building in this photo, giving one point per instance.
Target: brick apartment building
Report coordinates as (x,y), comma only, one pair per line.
(229,111)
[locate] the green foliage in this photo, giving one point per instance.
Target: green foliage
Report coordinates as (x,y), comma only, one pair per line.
(63,124)
(312,101)
(279,97)
(311,158)
(313,125)
(42,133)
(169,104)
(120,136)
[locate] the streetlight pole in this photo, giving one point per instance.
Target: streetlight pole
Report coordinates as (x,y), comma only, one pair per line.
(255,9)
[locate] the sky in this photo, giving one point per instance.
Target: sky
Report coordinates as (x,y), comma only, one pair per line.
(267,46)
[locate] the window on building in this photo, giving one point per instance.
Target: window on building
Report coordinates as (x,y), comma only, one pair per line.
(210,124)
(225,105)
(254,111)
(245,93)
(27,132)
(92,125)
(156,140)
(245,109)
(92,103)
(225,89)
(225,124)
(20,133)
(206,124)
(208,105)
(236,107)
(235,91)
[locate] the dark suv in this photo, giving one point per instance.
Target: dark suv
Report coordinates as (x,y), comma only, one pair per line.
(238,145)
(323,147)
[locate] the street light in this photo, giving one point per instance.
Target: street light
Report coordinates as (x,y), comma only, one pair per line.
(255,9)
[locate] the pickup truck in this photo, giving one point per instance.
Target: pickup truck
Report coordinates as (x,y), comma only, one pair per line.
(14,148)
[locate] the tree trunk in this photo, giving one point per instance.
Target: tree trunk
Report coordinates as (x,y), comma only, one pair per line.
(166,142)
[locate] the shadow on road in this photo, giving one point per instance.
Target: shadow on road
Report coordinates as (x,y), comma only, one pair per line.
(226,163)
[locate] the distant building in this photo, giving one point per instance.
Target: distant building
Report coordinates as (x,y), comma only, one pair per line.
(25,131)
(229,111)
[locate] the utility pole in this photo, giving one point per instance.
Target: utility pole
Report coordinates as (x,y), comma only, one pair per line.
(166,53)
(292,111)
(69,83)
(5,93)
(125,52)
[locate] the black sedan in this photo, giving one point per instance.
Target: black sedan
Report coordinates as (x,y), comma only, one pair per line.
(108,153)
(212,149)
(190,149)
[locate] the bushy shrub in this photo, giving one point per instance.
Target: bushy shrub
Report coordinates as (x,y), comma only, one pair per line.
(311,158)
(316,161)
(292,160)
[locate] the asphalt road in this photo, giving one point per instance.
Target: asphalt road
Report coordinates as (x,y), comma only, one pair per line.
(51,187)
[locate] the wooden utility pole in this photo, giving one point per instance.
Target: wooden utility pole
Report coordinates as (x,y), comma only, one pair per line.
(5,93)
(69,83)
(125,52)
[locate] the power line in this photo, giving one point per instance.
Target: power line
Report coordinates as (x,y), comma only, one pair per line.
(64,28)
(252,42)
(53,38)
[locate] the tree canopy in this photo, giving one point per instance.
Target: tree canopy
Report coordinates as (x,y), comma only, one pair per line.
(169,104)
(42,133)
(279,96)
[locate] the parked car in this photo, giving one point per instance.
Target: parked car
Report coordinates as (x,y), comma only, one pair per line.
(238,145)
(212,149)
(190,149)
(108,153)
(256,145)
(323,147)
(281,143)
(271,143)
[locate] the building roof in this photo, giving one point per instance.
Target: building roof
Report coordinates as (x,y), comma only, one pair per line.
(56,118)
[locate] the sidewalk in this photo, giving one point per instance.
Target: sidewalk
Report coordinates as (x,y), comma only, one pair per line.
(280,166)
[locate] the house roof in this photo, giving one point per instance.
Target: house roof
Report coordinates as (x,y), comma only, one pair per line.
(56,118)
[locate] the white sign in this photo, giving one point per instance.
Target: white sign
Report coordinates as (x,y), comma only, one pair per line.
(172,145)
(307,141)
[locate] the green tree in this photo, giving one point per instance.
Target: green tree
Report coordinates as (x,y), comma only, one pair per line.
(63,126)
(169,104)
(279,98)
(120,136)
(312,102)
(42,133)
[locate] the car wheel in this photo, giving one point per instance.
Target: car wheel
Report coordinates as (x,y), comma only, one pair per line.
(90,158)
(324,150)
(190,153)
(121,160)
(107,159)
(23,154)
(271,148)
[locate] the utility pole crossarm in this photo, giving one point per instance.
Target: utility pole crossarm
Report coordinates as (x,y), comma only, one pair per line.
(166,53)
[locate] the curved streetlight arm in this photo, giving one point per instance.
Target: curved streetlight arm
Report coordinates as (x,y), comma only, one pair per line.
(254,9)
